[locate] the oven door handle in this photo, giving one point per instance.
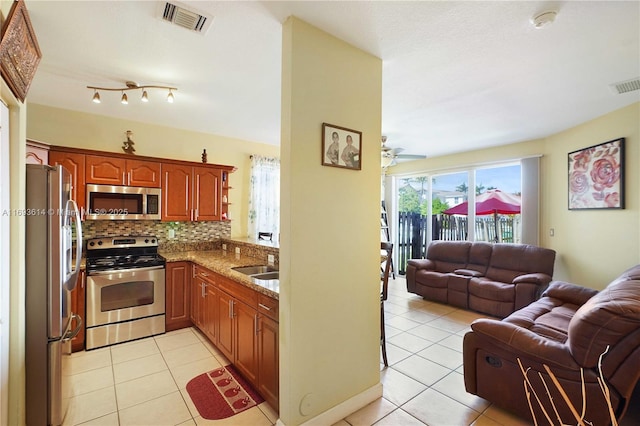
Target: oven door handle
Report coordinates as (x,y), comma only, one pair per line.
(121,271)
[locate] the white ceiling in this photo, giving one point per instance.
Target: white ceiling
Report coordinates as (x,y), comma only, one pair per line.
(456,75)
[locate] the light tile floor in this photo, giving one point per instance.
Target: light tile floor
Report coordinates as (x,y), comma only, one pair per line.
(143,382)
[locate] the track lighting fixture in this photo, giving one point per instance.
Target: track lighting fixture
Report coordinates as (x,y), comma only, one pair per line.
(131,86)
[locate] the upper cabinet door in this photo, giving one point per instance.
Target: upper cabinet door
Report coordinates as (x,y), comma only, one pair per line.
(143,173)
(206,193)
(105,170)
(176,192)
(75,164)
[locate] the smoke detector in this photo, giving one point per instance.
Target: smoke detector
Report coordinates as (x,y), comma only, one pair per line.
(185,17)
(543,19)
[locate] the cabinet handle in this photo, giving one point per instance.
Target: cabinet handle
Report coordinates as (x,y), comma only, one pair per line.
(128,178)
(255,323)
(196,214)
(231,309)
(265,307)
(204,286)
(124,179)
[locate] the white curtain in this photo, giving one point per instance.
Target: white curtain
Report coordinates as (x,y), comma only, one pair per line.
(264,196)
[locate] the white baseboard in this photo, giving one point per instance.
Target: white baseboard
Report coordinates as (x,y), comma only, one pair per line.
(342,410)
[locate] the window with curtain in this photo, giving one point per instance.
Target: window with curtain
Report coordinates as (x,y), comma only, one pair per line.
(264,196)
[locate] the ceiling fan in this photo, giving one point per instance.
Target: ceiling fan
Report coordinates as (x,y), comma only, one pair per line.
(390,155)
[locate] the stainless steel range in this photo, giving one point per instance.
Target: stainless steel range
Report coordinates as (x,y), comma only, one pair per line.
(125,290)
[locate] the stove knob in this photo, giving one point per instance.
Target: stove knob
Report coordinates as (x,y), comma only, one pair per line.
(146,240)
(153,240)
(92,244)
(100,242)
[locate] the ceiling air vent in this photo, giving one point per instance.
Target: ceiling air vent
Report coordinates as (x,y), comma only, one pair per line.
(626,86)
(182,16)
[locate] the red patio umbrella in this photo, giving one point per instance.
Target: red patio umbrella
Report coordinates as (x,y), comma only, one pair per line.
(492,202)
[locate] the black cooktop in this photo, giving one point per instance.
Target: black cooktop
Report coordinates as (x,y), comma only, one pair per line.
(117,253)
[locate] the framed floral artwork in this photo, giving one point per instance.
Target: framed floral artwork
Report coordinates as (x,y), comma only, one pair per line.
(596,176)
(341,147)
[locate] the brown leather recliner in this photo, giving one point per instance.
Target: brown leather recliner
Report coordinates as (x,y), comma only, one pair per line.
(568,329)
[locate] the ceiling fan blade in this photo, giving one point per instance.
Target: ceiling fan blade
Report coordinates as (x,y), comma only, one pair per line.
(411,156)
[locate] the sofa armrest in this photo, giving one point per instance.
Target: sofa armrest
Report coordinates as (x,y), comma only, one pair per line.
(570,293)
(535,278)
(468,273)
(520,340)
(422,263)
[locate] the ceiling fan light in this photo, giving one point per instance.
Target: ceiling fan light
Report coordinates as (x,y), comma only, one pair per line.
(124,99)
(386,160)
(144,98)
(96,97)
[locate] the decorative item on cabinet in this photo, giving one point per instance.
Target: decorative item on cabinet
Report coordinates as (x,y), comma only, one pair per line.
(204,155)
(127,146)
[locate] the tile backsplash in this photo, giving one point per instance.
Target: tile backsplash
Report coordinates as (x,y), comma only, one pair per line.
(202,233)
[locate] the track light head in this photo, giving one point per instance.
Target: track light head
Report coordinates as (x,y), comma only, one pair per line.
(145,98)
(170,97)
(96,97)
(124,99)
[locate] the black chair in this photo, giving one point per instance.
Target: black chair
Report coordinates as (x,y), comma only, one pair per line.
(384,279)
(265,236)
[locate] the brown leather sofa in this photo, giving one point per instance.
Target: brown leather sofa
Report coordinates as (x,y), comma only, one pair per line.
(567,329)
(494,279)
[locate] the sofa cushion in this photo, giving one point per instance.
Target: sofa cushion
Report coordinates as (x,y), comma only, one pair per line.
(449,255)
(511,260)
(606,319)
(492,290)
(547,317)
(479,256)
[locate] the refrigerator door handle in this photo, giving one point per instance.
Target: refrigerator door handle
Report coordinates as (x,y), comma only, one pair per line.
(68,335)
(71,276)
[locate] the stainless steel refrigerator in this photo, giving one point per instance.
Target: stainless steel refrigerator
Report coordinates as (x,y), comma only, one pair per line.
(52,266)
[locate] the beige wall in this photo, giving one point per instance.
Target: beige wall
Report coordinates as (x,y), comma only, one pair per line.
(13,386)
(329,249)
(57,126)
(592,246)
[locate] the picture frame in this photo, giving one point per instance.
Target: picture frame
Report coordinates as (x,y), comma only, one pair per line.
(341,147)
(596,176)
(19,51)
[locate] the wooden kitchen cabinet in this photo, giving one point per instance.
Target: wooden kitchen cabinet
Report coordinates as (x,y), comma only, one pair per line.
(75,164)
(78,307)
(268,359)
(191,193)
(242,324)
(178,295)
(204,309)
(106,170)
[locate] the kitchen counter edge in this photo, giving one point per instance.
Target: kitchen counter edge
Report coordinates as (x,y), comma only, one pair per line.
(221,262)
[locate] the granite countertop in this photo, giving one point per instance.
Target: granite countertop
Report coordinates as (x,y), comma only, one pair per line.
(221,262)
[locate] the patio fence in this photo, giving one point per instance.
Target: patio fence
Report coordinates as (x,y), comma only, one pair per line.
(412,232)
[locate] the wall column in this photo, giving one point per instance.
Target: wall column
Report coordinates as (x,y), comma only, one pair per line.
(330,230)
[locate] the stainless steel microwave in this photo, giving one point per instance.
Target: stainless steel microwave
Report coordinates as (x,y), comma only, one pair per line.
(111,202)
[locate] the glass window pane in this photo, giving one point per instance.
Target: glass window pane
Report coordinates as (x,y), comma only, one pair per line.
(449,191)
(498,204)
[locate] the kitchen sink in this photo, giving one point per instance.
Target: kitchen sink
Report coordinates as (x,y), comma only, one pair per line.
(257,270)
(274,275)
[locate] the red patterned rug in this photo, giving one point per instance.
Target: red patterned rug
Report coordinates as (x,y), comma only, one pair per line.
(221,393)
